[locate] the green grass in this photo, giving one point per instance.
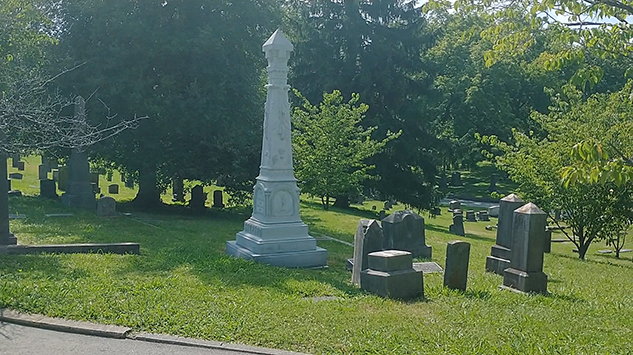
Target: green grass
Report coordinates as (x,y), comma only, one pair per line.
(184,284)
(476,183)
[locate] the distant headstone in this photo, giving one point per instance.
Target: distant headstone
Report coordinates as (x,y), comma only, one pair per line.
(113,189)
(382,215)
(218,199)
(457,227)
(48,189)
(20,166)
(547,247)
(404,230)
(501,251)
(14,160)
(443,182)
(493,211)
(454,205)
(106,206)
(368,239)
(16,176)
(483,216)
(9,185)
(470,216)
(178,187)
(456,179)
(456,270)
(42,172)
(198,198)
(109,176)
(493,183)
(391,275)
(526,268)
(62,177)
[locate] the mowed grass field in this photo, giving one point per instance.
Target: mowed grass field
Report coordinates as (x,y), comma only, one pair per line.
(184,284)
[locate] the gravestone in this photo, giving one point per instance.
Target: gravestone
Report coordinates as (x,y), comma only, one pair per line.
(458,212)
(178,187)
(501,251)
(470,216)
(9,185)
(391,275)
(526,268)
(483,216)
(404,230)
(275,234)
(94,180)
(547,247)
(20,166)
(109,176)
(493,211)
(368,239)
(46,164)
(42,172)
(382,215)
(62,178)
(79,189)
(16,176)
(456,179)
(457,227)
(218,199)
(493,183)
(6,237)
(15,158)
(106,207)
(456,270)
(48,189)
(113,189)
(198,198)
(443,182)
(454,205)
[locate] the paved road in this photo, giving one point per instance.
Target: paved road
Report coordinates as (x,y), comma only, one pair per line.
(21,340)
(470,203)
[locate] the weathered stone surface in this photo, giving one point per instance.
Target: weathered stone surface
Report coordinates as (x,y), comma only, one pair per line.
(113,189)
(404,230)
(457,227)
(493,211)
(456,179)
(470,216)
(198,198)
(275,233)
(526,267)
(20,166)
(114,248)
(16,176)
(106,207)
(368,239)
(454,205)
(42,172)
(456,270)
(401,283)
(48,189)
(483,216)
(500,252)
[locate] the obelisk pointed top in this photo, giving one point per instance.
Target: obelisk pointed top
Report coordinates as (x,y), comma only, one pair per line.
(512,198)
(277,41)
(529,208)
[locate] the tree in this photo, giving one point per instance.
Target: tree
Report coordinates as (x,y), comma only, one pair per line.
(593,211)
(331,148)
(194,67)
(32,118)
(373,48)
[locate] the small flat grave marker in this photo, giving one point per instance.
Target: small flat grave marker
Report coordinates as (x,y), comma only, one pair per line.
(428,267)
(59,215)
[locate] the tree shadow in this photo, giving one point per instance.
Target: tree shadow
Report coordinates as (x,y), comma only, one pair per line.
(436,228)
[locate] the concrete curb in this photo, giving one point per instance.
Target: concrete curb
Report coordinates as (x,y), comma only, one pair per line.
(207,344)
(63,325)
(113,331)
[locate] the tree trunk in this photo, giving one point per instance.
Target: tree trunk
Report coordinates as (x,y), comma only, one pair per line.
(148,195)
(582,250)
(6,238)
(342,201)
(325,201)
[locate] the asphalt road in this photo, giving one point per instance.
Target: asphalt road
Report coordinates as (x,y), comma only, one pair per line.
(21,340)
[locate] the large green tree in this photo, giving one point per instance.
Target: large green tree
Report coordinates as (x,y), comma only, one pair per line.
(373,48)
(194,67)
(331,148)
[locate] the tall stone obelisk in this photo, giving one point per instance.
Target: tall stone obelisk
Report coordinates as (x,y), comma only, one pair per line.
(275,234)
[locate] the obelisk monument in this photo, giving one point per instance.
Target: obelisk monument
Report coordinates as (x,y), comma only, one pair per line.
(275,234)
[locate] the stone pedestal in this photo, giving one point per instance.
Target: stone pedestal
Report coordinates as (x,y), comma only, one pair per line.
(526,269)
(275,234)
(391,275)
(500,253)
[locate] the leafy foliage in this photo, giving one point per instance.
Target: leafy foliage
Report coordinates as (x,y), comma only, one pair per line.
(331,148)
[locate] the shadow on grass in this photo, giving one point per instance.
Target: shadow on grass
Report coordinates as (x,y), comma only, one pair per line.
(594,261)
(436,228)
(353,211)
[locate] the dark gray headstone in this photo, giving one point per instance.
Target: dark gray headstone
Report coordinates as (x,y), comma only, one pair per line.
(404,230)
(382,215)
(470,216)
(48,189)
(198,198)
(16,176)
(456,179)
(20,166)
(109,175)
(443,182)
(177,186)
(493,211)
(9,185)
(42,172)
(483,216)
(391,275)
(218,199)
(500,254)
(62,177)
(457,227)
(456,270)
(526,267)
(79,188)
(14,160)
(113,189)
(106,206)
(368,239)
(454,205)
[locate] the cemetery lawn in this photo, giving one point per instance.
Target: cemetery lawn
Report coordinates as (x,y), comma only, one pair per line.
(184,284)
